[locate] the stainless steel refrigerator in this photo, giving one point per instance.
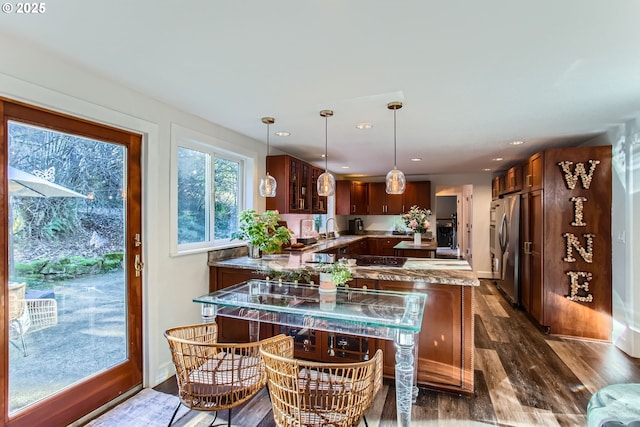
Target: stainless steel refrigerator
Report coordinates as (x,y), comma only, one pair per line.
(506,245)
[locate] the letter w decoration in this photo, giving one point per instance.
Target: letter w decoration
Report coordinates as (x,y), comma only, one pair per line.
(571,178)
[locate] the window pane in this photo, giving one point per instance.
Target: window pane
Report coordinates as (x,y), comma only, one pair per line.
(226,195)
(193,203)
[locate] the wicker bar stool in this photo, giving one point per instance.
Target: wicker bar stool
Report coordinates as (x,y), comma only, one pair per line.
(305,394)
(214,376)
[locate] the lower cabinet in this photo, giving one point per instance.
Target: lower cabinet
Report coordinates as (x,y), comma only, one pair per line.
(445,344)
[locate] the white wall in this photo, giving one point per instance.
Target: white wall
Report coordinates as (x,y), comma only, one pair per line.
(169,283)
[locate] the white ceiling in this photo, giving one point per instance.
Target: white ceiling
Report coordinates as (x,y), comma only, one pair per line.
(473,75)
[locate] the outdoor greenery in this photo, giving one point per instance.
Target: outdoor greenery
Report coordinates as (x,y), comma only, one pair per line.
(49,232)
(194,194)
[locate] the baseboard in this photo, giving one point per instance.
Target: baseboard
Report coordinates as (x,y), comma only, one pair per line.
(484,274)
(163,373)
(626,338)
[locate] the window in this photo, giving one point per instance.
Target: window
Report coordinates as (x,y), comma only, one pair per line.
(209,182)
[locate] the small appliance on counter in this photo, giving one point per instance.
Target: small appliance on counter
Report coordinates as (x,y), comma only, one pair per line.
(308,235)
(356,226)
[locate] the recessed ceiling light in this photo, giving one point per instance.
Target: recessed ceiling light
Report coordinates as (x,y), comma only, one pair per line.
(282,133)
(416,159)
(364,125)
(497,159)
(516,143)
(323,155)
(486,170)
(345,167)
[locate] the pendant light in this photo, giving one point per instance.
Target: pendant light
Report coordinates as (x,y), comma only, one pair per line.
(395,180)
(326,181)
(268,184)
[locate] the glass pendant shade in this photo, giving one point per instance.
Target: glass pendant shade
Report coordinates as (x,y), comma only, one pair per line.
(396,182)
(326,185)
(268,186)
(326,181)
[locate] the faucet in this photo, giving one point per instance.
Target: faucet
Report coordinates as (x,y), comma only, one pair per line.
(326,228)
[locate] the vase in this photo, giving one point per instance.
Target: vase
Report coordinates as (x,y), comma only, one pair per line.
(417,238)
(326,283)
(253,251)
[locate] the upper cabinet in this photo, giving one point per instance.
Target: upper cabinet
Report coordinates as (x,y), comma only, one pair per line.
(361,198)
(417,193)
(381,203)
(352,198)
(533,171)
(297,191)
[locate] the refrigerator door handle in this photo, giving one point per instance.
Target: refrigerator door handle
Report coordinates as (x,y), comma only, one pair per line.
(503,233)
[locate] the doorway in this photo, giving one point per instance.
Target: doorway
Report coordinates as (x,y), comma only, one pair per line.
(71,246)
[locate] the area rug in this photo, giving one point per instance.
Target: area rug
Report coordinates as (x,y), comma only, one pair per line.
(148,408)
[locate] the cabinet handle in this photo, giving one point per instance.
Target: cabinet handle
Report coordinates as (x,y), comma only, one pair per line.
(353,208)
(528,180)
(527,248)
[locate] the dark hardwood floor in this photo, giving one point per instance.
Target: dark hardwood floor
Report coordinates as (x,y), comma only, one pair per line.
(522,378)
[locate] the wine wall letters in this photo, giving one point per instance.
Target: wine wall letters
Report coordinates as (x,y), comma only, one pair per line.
(579,280)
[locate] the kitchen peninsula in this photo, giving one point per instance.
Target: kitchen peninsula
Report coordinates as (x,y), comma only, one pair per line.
(445,344)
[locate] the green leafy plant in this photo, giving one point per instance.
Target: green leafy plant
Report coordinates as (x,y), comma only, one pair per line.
(340,271)
(262,230)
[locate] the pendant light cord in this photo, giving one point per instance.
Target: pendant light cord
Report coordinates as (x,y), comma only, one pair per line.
(395,163)
(326,154)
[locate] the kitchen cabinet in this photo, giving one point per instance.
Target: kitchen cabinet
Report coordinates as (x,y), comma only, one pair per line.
(381,203)
(297,191)
(417,193)
(229,329)
(531,213)
(318,203)
(352,198)
(495,188)
(445,346)
(294,178)
(383,246)
(513,180)
(533,171)
(360,247)
(565,254)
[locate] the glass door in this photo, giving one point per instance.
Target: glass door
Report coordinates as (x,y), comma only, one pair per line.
(72,312)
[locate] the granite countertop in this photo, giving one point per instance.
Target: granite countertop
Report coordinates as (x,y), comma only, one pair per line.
(426,270)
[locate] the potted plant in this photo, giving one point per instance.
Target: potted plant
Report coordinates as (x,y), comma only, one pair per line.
(262,232)
(334,274)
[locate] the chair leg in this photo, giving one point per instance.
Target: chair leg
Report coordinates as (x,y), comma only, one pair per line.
(365,421)
(229,421)
(174,414)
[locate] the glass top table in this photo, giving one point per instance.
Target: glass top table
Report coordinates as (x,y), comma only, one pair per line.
(388,315)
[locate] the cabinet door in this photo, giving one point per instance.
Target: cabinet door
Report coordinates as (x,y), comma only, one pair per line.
(417,193)
(394,203)
(533,173)
(229,329)
(442,346)
(304,197)
(360,197)
(294,185)
(536,225)
(318,203)
(278,167)
(495,188)
(377,198)
(343,198)
(525,252)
